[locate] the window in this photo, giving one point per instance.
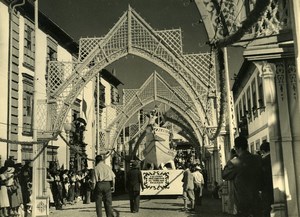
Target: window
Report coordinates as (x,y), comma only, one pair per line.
(29,46)
(257,144)
(242,123)
(261,101)
(252,147)
(244,105)
(240,108)
(115,98)
(100,96)
(27,151)
(51,50)
(29,38)
(236,114)
(254,99)
(27,104)
(249,104)
(52,56)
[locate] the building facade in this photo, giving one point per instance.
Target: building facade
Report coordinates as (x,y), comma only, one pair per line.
(106,90)
(18,65)
(266,96)
(266,89)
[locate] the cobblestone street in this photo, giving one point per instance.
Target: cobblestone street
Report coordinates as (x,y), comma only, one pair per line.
(163,206)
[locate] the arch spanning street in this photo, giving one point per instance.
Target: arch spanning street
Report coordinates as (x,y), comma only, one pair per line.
(155,89)
(196,74)
(132,35)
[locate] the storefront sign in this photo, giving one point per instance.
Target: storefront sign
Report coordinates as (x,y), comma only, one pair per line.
(162,182)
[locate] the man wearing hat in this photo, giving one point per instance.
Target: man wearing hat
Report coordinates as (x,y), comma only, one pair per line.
(198,184)
(134,186)
(245,172)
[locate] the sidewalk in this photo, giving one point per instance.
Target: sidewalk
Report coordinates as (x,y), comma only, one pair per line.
(159,206)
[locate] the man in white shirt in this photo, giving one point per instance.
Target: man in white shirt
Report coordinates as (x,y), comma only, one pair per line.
(103,185)
(198,184)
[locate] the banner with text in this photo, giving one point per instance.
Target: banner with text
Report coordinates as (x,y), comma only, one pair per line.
(162,182)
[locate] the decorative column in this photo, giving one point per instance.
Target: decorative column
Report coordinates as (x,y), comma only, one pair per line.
(216,161)
(294,78)
(289,119)
(267,72)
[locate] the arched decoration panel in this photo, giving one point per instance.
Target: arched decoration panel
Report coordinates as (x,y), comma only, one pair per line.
(132,35)
(187,132)
(155,89)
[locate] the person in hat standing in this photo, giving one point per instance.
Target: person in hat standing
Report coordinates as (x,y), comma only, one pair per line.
(134,186)
(245,172)
(198,184)
(188,188)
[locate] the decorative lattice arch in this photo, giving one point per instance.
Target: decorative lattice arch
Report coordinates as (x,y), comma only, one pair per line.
(155,89)
(132,35)
(187,131)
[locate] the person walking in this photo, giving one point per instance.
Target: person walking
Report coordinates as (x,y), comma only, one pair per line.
(188,188)
(245,171)
(134,186)
(198,184)
(267,184)
(103,185)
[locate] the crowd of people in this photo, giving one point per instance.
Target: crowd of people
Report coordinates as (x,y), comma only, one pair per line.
(68,187)
(62,187)
(15,188)
(182,158)
(249,174)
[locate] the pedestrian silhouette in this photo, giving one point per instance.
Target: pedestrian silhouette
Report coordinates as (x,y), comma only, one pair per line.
(245,172)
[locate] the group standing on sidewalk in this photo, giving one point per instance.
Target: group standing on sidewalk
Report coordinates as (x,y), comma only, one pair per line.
(68,187)
(15,189)
(193,184)
(251,177)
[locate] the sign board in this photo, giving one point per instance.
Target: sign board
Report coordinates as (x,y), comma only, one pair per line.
(162,182)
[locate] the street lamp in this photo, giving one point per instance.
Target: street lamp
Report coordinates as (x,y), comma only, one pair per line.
(67,128)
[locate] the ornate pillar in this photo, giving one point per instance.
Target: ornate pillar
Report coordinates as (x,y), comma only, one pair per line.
(294,78)
(289,118)
(267,71)
(212,100)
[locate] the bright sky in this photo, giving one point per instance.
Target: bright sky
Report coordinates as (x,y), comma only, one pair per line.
(90,18)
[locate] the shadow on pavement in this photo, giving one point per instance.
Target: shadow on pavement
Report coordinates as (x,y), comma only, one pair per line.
(164,209)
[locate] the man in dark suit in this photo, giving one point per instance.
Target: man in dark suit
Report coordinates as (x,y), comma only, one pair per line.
(245,171)
(134,186)
(267,184)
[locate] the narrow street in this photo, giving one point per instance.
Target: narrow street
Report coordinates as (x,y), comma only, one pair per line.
(162,207)
(153,95)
